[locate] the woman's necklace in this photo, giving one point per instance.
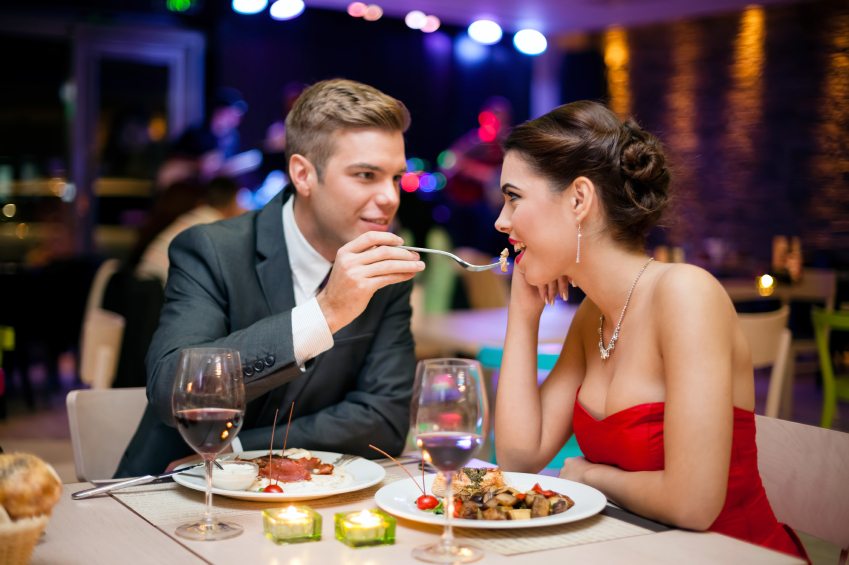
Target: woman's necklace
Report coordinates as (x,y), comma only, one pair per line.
(606,351)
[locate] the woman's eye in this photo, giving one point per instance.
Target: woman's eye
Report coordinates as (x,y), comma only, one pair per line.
(511,196)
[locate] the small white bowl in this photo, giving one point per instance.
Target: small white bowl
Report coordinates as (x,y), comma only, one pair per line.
(235,475)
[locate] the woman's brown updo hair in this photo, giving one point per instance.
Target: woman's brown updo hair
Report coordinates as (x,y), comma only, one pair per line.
(625,162)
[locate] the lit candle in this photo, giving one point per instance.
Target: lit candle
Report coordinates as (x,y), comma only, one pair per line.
(367,527)
(766,285)
(291,525)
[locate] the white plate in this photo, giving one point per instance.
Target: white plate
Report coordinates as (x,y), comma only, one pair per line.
(361,473)
(399,498)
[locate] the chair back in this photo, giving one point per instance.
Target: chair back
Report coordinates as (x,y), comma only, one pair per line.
(102,332)
(834,387)
(805,471)
(769,343)
(440,278)
(102,422)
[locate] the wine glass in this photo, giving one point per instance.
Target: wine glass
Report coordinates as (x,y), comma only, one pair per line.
(450,418)
(208,403)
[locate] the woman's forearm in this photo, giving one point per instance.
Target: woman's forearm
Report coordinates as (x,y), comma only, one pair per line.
(656,495)
(518,412)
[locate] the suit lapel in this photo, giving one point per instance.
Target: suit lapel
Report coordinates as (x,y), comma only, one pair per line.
(272,268)
(275,277)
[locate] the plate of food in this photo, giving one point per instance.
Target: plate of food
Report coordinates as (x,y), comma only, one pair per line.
(300,475)
(492,499)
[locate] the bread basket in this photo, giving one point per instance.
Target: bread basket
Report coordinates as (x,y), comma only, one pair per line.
(18,539)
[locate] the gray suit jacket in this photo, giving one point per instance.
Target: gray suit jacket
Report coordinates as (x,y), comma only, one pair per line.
(230,285)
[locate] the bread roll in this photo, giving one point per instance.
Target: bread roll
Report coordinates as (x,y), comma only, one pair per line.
(28,486)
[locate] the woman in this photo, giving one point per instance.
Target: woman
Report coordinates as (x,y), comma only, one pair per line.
(655,377)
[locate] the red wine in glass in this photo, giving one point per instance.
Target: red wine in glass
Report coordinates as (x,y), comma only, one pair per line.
(208,404)
(208,430)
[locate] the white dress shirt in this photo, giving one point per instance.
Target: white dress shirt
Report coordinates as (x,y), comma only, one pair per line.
(310,332)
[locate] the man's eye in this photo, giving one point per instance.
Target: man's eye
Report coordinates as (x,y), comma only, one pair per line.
(366,175)
(397,180)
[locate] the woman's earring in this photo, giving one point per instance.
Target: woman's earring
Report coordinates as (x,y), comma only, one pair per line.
(578,255)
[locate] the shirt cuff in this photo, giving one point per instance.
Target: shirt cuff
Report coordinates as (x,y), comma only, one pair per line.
(310,332)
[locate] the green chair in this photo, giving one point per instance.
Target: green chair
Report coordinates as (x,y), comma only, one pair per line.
(490,358)
(834,387)
(440,277)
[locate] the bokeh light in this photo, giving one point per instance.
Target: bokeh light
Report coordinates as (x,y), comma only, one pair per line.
(9,210)
(427,183)
(431,25)
(415,19)
(373,13)
(468,50)
(410,182)
(530,42)
(447,159)
(357,9)
(286,9)
(486,32)
(249,6)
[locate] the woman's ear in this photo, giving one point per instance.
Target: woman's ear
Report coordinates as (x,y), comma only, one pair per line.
(583,198)
(302,173)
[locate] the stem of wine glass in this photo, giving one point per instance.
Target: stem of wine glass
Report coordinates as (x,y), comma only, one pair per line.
(447,533)
(207,465)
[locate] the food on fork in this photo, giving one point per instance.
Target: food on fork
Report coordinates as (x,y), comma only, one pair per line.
(503,259)
(28,486)
(482,494)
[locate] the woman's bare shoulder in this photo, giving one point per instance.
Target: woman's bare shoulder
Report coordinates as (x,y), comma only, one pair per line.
(683,287)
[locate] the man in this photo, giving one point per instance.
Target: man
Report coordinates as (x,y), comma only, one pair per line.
(342,351)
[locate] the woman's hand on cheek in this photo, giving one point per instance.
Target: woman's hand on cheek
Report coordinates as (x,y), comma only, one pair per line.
(574,469)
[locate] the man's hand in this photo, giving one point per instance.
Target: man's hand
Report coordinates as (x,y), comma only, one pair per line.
(362,267)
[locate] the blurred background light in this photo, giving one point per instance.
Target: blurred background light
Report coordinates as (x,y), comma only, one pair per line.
(410,182)
(9,210)
(447,159)
(286,9)
(357,9)
(431,24)
(427,182)
(469,50)
(249,6)
(415,19)
(415,164)
(485,31)
(530,42)
(178,5)
(373,13)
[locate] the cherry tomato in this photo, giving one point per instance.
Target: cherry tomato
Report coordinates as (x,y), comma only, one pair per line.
(272,488)
(520,495)
(427,502)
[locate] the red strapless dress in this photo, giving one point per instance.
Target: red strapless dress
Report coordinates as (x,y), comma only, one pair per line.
(632,439)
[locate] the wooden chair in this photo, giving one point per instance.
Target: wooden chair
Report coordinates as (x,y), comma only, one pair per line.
(769,342)
(834,387)
(805,471)
(102,422)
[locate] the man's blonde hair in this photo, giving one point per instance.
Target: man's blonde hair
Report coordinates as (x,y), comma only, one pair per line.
(332,105)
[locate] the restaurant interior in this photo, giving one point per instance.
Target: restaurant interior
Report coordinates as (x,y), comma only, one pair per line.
(751,102)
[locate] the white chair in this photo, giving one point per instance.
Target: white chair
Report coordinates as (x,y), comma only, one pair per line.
(770,345)
(102,332)
(102,422)
(805,471)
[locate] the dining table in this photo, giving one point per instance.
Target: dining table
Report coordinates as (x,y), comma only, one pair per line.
(136,525)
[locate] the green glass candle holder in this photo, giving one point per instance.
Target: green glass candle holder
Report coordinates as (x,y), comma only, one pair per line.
(293,524)
(364,528)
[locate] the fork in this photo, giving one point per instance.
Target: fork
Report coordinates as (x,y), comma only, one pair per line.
(343,460)
(465,264)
